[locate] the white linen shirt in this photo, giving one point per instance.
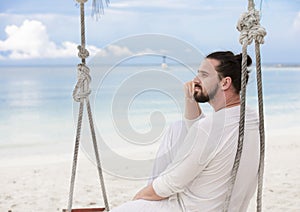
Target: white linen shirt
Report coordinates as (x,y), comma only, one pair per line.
(199,175)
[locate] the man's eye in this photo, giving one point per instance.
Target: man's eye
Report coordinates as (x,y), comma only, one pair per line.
(203,74)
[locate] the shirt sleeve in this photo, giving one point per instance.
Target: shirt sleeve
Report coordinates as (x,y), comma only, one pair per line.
(190,122)
(185,166)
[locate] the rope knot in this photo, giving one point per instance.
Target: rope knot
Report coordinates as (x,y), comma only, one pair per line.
(82,88)
(250,28)
(83,52)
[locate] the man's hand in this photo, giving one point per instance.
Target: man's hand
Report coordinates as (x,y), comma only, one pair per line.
(189,90)
(192,108)
(148,193)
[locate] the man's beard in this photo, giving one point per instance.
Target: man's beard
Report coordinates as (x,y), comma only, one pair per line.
(200,97)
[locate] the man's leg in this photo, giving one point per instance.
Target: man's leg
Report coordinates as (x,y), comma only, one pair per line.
(170,144)
(148,206)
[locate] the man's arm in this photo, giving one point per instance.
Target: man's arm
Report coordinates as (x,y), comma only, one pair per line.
(148,193)
(192,111)
(186,165)
(192,108)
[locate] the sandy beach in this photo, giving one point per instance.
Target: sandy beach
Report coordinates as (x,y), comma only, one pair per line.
(40,182)
(36,144)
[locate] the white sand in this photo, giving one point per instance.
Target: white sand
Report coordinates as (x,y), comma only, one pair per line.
(40,182)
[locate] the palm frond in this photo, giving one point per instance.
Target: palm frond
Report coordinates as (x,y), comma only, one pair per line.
(98,8)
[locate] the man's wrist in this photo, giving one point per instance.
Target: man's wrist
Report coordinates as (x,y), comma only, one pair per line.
(190,99)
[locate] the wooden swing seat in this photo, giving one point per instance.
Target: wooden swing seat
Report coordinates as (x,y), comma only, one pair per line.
(85,210)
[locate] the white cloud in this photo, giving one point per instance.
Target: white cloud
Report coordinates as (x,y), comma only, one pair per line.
(31,40)
(123,51)
(112,51)
(151,51)
(119,50)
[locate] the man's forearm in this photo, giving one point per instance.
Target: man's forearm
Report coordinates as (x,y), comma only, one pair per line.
(192,109)
(148,193)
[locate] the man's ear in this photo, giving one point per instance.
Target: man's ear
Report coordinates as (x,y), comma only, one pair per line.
(226,83)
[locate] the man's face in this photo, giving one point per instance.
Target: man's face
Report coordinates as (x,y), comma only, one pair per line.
(207,81)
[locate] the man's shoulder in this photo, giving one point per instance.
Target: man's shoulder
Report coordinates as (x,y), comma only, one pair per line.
(251,117)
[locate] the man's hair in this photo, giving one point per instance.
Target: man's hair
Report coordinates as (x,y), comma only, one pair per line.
(230,66)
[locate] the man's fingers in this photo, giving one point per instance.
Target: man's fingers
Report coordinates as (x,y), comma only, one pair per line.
(189,88)
(192,88)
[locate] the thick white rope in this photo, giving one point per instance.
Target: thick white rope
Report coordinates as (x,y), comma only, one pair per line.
(82,89)
(261,128)
(241,130)
(250,28)
(80,94)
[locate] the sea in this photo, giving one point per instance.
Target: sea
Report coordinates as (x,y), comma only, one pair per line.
(131,105)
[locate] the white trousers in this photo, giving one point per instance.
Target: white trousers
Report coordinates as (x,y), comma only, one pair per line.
(170,144)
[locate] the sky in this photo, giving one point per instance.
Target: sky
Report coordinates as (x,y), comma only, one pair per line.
(48,32)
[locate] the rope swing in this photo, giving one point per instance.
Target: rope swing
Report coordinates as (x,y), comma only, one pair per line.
(250,28)
(81,94)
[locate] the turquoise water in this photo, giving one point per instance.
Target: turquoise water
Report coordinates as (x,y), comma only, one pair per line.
(36,105)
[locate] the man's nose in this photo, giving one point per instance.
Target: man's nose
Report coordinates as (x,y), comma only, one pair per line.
(197,79)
